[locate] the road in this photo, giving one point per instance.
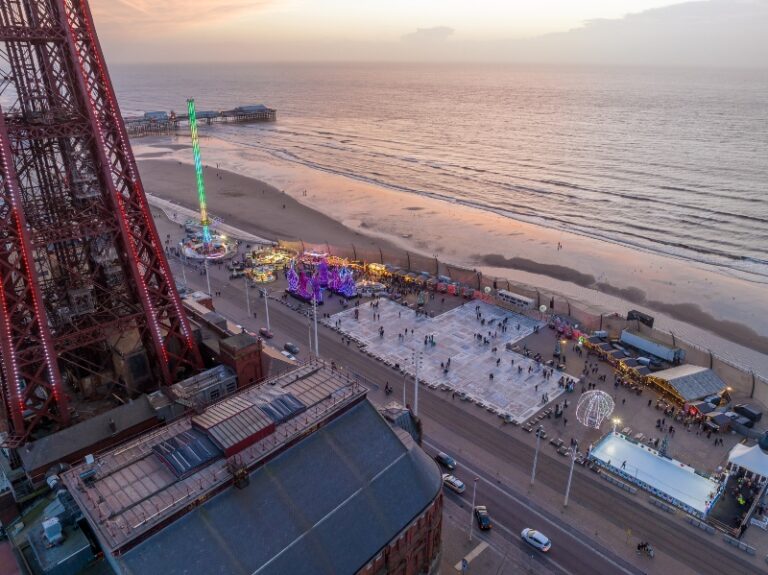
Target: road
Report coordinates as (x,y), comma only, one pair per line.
(573,551)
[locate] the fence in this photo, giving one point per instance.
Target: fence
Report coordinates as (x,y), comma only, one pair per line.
(742,381)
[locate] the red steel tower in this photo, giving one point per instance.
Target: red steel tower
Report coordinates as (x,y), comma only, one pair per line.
(87,295)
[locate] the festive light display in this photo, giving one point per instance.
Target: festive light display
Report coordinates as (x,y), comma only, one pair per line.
(322,273)
(303,286)
(593,408)
(293,279)
(347,287)
(342,281)
(204,221)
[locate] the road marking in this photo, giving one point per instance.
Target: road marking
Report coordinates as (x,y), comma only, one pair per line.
(472,554)
(580,541)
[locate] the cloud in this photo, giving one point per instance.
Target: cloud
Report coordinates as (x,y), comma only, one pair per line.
(436,34)
(150,13)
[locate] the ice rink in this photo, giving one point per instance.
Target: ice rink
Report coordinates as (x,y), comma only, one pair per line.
(660,475)
(512,390)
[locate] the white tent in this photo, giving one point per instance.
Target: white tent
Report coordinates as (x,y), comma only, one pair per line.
(752,458)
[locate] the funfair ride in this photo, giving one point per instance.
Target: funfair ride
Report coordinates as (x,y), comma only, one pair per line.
(204,245)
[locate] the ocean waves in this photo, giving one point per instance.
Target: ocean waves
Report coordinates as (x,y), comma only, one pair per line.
(662,163)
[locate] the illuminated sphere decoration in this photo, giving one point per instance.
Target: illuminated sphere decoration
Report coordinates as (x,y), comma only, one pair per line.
(593,408)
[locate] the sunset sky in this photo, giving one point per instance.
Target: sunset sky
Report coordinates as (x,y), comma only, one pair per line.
(269,30)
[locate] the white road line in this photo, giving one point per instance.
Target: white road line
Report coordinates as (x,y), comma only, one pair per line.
(508,545)
(522,503)
(482,546)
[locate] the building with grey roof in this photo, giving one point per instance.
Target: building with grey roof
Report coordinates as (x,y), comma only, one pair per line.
(303,464)
(688,382)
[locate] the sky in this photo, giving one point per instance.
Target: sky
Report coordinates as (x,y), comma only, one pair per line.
(717,32)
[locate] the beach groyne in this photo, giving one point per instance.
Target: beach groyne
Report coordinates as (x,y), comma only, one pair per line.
(745,382)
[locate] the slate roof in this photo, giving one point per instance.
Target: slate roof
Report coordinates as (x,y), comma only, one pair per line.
(52,448)
(327,505)
(692,381)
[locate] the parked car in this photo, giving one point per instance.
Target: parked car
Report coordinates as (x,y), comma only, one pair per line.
(453,483)
(483,518)
(291,347)
(740,419)
(265,333)
(446,461)
(289,355)
(749,411)
(537,539)
(714,399)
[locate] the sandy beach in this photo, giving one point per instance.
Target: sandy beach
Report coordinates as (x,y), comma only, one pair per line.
(279,200)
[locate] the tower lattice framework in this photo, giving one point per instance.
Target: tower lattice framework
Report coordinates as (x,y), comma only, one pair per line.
(85,282)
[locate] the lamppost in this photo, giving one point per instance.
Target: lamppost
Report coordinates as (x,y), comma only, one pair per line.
(247,296)
(207,277)
(574,449)
(265,293)
(539,432)
(314,313)
(416,361)
(616,421)
(472,509)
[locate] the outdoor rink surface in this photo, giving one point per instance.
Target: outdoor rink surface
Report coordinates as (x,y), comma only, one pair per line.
(669,476)
(513,392)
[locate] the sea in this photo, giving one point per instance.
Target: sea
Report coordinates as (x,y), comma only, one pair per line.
(668,160)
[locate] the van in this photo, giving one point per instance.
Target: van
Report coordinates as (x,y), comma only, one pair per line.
(643,361)
(602,334)
(748,411)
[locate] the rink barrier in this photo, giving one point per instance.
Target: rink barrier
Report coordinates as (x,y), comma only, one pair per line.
(748,549)
(701,525)
(661,505)
(619,484)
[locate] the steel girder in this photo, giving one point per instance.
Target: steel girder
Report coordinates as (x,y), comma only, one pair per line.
(73,214)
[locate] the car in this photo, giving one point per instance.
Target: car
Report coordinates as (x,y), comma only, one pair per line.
(289,355)
(446,461)
(537,539)
(291,347)
(265,333)
(453,483)
(483,518)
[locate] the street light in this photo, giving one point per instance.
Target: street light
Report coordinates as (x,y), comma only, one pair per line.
(247,296)
(266,305)
(416,361)
(539,432)
(472,509)
(207,277)
(616,421)
(314,320)
(570,474)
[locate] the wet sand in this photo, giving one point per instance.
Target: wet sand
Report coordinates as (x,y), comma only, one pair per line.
(340,211)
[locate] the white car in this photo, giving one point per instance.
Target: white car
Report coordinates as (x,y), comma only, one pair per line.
(537,539)
(453,483)
(289,355)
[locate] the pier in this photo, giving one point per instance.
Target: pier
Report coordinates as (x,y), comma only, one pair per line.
(155,123)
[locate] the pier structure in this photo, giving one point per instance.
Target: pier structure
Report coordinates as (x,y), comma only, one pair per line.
(154,123)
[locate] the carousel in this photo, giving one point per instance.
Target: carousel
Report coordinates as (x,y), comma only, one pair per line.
(261,274)
(220,247)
